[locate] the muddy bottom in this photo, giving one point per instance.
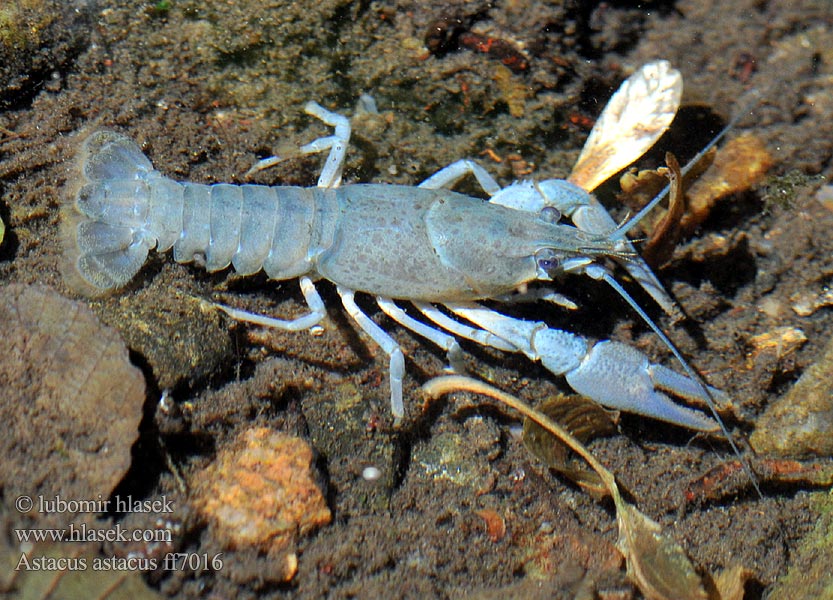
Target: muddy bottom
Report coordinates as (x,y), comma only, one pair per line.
(449,502)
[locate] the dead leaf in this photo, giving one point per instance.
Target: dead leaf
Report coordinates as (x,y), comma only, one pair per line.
(585,420)
(72,400)
(667,232)
(635,117)
(729,583)
(656,564)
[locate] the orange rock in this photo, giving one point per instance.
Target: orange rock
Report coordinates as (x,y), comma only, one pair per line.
(260,492)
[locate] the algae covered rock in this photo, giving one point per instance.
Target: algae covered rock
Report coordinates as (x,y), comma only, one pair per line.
(800,423)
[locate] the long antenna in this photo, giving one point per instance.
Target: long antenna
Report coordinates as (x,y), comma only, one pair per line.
(625,227)
(599,272)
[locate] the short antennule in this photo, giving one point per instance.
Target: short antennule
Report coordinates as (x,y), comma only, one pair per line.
(106,241)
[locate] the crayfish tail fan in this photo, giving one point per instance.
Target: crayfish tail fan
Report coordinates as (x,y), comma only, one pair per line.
(105,232)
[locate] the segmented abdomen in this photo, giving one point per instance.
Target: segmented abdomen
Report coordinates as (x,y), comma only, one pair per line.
(125,208)
(251,227)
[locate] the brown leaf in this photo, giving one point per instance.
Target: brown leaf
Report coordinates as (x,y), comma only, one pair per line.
(660,246)
(656,564)
(71,398)
(729,583)
(72,572)
(585,420)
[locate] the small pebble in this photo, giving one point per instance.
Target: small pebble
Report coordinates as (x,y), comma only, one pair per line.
(371,474)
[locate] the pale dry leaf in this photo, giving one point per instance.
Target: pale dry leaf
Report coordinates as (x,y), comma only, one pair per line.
(633,120)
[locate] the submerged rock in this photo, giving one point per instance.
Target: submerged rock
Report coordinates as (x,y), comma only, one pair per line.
(800,423)
(71,402)
(260,494)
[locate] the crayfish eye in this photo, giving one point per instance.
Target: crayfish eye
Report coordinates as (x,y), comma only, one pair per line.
(547,260)
(550,214)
